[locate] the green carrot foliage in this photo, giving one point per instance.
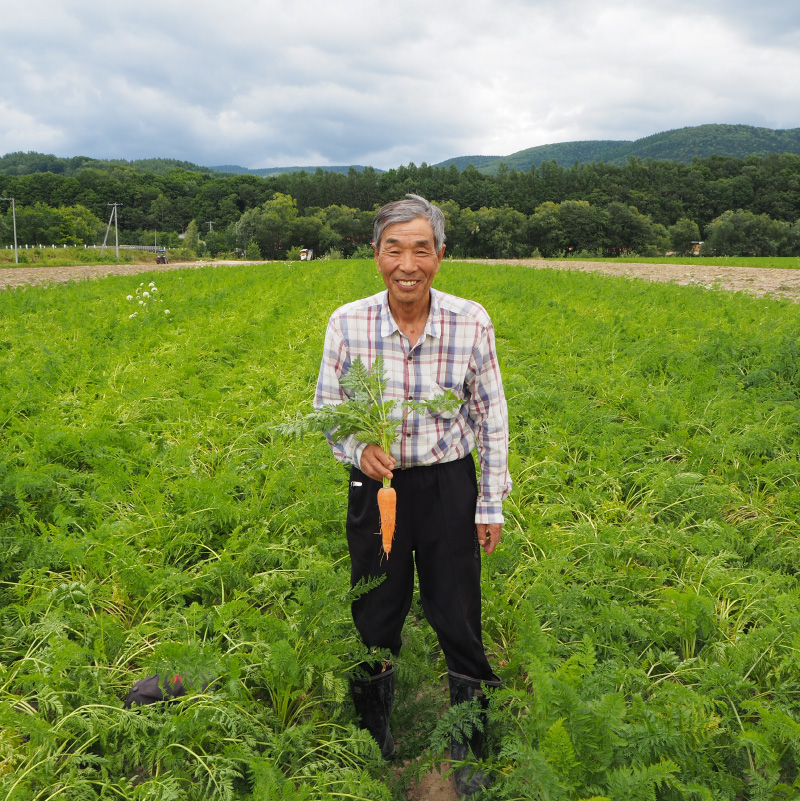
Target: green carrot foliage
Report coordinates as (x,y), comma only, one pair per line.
(642,608)
(365,415)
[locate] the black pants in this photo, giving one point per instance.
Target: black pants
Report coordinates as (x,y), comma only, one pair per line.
(435,530)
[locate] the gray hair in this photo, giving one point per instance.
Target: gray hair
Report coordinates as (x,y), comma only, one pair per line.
(401,211)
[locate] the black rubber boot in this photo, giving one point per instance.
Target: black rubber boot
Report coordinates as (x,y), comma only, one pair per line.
(373,697)
(466,739)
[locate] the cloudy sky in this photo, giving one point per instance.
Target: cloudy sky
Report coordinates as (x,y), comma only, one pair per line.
(262,83)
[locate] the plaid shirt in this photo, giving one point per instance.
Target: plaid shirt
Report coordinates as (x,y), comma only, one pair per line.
(456,351)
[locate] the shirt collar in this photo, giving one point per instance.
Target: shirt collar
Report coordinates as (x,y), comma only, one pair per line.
(432,324)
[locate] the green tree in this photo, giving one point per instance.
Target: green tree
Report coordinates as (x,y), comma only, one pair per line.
(683,234)
(583,226)
(160,212)
(630,231)
(253,251)
(38,224)
(79,226)
(793,240)
(348,227)
(742,233)
(269,225)
(500,233)
(545,231)
(191,237)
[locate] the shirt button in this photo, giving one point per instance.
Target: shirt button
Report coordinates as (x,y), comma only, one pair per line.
(408,435)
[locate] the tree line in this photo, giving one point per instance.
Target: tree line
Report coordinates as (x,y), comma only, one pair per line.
(738,206)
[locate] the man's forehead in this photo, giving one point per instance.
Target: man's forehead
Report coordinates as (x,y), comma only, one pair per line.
(417,230)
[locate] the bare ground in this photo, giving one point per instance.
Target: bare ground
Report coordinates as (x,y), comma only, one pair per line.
(433,787)
(770,282)
(11,277)
(763,282)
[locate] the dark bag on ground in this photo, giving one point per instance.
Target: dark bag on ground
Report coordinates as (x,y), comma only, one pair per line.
(152,689)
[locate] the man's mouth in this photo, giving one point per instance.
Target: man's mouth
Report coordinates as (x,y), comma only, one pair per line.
(408,283)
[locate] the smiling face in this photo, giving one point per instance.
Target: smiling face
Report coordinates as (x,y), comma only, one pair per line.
(407,260)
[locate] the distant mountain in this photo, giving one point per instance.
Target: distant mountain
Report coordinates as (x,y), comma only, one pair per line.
(20,163)
(682,144)
(233,169)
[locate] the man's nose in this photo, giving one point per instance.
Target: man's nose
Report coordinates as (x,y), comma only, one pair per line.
(407,261)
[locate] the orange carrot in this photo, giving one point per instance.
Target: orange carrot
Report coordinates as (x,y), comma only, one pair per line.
(387,503)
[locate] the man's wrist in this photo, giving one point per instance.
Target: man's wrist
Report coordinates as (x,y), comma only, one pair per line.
(488,512)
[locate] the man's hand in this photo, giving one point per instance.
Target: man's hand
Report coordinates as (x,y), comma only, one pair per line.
(376,463)
(489,535)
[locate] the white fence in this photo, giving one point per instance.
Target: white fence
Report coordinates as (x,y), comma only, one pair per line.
(149,248)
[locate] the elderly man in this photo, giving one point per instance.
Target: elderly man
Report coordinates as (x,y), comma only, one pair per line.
(430,342)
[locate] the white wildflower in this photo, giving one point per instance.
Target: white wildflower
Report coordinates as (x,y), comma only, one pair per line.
(145,294)
(130,297)
(141,303)
(131,316)
(152,283)
(154,289)
(166,311)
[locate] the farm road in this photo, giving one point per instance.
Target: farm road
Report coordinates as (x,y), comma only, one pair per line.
(763,282)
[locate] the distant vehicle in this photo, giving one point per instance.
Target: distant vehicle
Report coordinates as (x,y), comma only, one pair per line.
(161,257)
(306,254)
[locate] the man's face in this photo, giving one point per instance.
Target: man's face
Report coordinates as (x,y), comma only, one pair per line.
(408,261)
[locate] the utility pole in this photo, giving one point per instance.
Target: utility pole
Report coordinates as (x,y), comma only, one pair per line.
(210,224)
(14,218)
(108,228)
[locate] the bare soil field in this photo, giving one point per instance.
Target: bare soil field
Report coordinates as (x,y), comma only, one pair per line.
(763,282)
(769,282)
(12,277)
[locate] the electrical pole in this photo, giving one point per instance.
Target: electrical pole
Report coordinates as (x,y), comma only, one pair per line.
(108,227)
(14,218)
(210,224)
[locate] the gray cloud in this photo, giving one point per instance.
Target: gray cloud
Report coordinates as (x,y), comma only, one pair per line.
(261,84)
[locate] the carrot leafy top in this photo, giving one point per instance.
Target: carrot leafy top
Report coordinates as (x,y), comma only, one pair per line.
(365,415)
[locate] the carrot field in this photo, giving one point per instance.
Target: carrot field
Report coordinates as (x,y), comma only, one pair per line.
(643,608)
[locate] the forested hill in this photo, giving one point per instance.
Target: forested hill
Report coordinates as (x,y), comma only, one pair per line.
(20,163)
(683,145)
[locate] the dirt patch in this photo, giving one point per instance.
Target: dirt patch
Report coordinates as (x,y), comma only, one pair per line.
(434,786)
(762,282)
(772,282)
(11,277)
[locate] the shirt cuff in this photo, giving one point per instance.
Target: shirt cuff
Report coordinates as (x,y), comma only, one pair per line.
(357,453)
(489,511)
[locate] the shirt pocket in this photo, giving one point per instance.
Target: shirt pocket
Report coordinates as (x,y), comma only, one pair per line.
(458,392)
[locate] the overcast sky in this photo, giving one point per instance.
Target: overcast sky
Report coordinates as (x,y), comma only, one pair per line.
(266,84)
